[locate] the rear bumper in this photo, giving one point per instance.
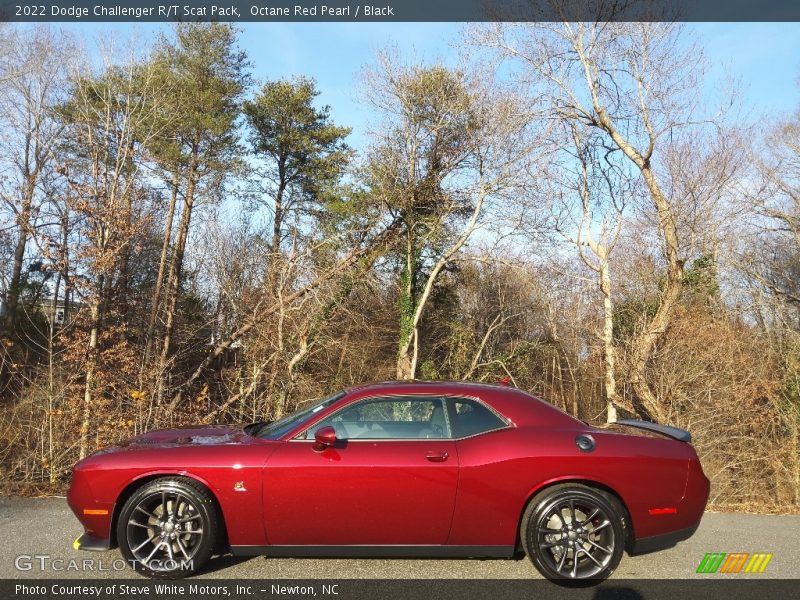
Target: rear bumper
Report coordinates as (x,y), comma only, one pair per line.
(89,542)
(686,519)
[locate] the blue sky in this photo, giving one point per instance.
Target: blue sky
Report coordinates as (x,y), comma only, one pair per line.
(763,57)
(334,54)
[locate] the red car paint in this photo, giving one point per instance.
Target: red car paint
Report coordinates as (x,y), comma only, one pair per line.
(431,492)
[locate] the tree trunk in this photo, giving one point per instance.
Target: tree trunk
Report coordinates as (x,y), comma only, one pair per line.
(411,307)
(794,452)
(174,277)
(91,363)
(406,366)
(609,352)
(51,392)
(64,262)
(644,342)
(277,222)
(16,276)
(23,221)
(162,263)
(123,279)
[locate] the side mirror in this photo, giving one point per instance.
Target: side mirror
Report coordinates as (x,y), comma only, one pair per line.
(324,437)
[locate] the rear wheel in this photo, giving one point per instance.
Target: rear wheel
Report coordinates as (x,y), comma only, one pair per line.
(168,527)
(574,532)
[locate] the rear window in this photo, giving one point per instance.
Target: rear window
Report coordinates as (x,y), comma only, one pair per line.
(470,417)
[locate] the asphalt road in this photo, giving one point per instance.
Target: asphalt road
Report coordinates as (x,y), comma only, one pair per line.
(35,527)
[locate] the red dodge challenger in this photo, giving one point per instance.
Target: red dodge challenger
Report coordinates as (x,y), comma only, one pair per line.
(418,469)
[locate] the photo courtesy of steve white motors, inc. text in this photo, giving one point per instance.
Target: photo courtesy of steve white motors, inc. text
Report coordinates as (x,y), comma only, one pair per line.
(194,590)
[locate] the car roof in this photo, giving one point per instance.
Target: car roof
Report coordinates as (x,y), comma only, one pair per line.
(455,385)
(518,405)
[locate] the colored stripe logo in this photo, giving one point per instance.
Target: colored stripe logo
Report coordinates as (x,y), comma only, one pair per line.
(736,562)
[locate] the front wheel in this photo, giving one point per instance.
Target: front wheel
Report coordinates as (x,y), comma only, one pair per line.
(168,527)
(574,532)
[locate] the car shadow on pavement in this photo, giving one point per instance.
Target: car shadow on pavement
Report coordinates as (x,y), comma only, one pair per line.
(217,563)
(615,592)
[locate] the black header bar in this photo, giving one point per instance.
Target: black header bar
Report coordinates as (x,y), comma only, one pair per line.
(238,11)
(100,588)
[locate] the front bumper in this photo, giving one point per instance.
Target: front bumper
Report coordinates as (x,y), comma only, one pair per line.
(89,542)
(94,515)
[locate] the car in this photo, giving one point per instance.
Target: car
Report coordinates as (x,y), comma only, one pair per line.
(396,469)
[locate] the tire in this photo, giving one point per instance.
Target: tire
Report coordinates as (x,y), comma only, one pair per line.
(573,532)
(172,547)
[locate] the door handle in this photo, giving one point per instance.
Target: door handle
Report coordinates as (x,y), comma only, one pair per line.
(437,456)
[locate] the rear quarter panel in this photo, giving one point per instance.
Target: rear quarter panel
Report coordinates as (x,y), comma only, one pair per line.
(500,471)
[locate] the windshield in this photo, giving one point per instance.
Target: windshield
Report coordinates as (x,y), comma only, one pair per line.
(274,430)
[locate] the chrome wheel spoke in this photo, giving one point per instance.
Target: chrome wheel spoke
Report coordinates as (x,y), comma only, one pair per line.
(149,514)
(601,526)
(155,549)
(192,532)
(557,514)
(562,561)
(182,549)
(187,519)
(599,547)
(175,506)
(593,559)
(142,545)
(591,516)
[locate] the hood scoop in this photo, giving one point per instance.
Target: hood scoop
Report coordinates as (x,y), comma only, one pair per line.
(196,436)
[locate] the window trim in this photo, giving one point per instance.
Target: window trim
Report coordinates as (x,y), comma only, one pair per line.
(444,398)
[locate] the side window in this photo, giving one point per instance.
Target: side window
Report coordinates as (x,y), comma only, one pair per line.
(468,417)
(389,419)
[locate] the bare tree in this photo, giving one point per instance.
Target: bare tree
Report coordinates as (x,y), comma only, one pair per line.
(203,73)
(109,118)
(452,144)
(33,68)
(587,176)
(638,86)
(776,200)
(368,242)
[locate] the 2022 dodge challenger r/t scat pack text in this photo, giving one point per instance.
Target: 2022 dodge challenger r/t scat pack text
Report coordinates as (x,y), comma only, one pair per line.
(416,469)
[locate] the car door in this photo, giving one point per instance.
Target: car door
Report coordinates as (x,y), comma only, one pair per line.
(390,479)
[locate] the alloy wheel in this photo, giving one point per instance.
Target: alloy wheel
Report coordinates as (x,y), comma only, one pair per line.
(575,537)
(164,530)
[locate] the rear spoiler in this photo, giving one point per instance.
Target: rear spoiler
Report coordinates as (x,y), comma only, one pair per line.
(674,432)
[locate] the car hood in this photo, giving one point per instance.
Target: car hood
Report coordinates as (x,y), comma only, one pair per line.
(194,435)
